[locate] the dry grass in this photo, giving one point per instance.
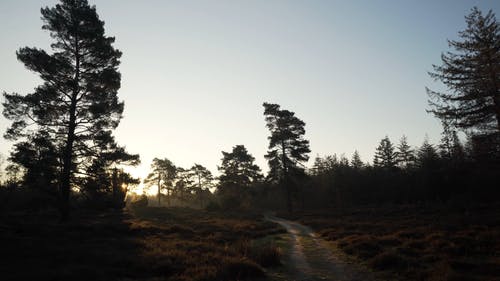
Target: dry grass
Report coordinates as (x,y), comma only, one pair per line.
(194,245)
(416,243)
(149,244)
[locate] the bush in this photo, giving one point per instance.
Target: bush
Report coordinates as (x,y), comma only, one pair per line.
(142,201)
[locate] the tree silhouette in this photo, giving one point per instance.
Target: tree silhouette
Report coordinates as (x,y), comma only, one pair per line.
(288,149)
(238,169)
(202,176)
(203,179)
(184,185)
(103,174)
(163,173)
(120,183)
(77,104)
(405,154)
(40,162)
(356,162)
(385,156)
(472,75)
(427,156)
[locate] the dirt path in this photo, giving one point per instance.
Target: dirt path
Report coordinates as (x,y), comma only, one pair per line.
(311,259)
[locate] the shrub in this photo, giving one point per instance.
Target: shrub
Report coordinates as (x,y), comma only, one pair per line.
(140,202)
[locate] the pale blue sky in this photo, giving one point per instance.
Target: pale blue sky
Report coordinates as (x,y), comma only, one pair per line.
(195,73)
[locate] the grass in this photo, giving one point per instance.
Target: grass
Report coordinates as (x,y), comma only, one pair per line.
(414,243)
(206,245)
(145,244)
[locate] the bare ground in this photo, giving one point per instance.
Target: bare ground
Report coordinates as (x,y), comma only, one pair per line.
(310,258)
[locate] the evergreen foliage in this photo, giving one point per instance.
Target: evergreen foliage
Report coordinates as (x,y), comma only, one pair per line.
(76,107)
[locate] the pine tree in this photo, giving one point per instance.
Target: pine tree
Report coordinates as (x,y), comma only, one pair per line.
(318,166)
(356,160)
(288,149)
(77,104)
(38,159)
(405,154)
(184,185)
(163,174)
(427,156)
(103,173)
(202,177)
(472,75)
(203,180)
(238,169)
(385,156)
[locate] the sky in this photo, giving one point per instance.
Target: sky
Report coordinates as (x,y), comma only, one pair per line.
(195,73)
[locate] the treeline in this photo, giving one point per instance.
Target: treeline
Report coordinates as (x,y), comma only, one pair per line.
(241,183)
(448,172)
(177,186)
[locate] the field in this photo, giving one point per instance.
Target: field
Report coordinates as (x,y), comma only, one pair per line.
(416,242)
(398,243)
(140,244)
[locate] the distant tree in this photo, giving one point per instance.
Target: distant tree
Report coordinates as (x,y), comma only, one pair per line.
(427,155)
(202,177)
(318,166)
(121,181)
(344,161)
(450,148)
(472,75)
(238,175)
(356,162)
(288,149)
(77,104)
(385,156)
(104,177)
(203,180)
(163,174)
(323,165)
(405,154)
(40,162)
(184,184)
(238,169)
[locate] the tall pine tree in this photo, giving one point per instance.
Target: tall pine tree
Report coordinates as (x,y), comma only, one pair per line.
(163,174)
(77,103)
(288,149)
(238,169)
(405,154)
(472,74)
(385,156)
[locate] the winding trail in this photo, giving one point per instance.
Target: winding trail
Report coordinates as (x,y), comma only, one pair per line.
(311,259)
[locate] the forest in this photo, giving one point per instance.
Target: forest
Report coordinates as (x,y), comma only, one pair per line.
(425,211)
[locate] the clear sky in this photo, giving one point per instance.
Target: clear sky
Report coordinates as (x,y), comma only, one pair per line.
(195,73)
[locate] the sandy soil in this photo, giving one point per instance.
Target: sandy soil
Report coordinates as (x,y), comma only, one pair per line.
(312,259)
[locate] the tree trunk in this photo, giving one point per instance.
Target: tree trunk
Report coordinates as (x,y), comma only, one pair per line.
(67,163)
(65,187)
(285,178)
(159,189)
(66,173)
(200,191)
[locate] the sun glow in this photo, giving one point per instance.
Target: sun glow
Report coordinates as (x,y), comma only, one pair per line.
(141,173)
